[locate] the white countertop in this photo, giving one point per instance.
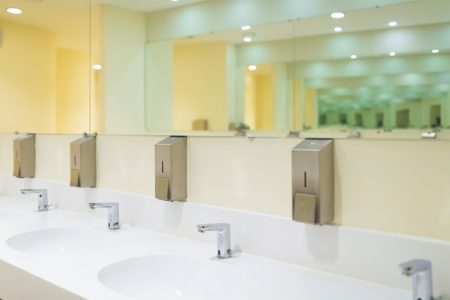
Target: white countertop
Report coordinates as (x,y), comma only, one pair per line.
(78,272)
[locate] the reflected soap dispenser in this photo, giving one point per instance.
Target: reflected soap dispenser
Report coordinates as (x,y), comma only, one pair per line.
(313,182)
(171,169)
(24,156)
(83,162)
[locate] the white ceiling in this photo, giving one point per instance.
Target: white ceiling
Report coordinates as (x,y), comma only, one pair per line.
(70,19)
(147,5)
(413,13)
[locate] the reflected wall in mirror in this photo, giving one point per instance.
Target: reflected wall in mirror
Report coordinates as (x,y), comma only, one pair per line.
(192,65)
(192,83)
(389,67)
(165,66)
(211,83)
(44,66)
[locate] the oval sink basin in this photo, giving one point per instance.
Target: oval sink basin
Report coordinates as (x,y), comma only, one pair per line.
(54,241)
(174,277)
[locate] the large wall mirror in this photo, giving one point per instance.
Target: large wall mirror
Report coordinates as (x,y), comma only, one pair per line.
(382,67)
(142,67)
(44,66)
(206,80)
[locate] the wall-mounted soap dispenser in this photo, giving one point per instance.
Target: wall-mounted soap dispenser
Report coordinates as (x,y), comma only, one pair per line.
(171,169)
(313,182)
(83,162)
(25,156)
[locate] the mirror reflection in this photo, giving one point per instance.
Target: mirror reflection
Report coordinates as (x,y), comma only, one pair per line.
(385,67)
(44,66)
(120,67)
(206,82)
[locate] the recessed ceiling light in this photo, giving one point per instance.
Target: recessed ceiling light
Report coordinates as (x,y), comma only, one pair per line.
(14,11)
(337,29)
(393,23)
(246,27)
(435,51)
(392,53)
(354,56)
(248,37)
(337,15)
(97,67)
(252,68)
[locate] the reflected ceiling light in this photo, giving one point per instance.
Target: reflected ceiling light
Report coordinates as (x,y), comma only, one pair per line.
(252,68)
(393,23)
(354,56)
(246,27)
(97,67)
(337,15)
(392,53)
(337,29)
(434,51)
(14,11)
(248,37)
(174,0)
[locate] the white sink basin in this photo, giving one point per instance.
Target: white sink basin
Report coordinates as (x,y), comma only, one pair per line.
(57,241)
(174,277)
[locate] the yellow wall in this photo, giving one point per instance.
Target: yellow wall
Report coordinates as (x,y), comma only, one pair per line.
(259,98)
(200,87)
(250,100)
(393,186)
(72,107)
(310,108)
(42,88)
(27,79)
(264,102)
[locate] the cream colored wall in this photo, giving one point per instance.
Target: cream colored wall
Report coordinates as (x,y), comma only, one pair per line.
(200,87)
(159,85)
(123,74)
(72,91)
(27,79)
(393,186)
(398,186)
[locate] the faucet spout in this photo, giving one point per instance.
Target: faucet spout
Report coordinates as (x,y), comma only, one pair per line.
(113,213)
(223,237)
(420,270)
(42,197)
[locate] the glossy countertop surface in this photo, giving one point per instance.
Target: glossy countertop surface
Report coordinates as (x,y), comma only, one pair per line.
(75,266)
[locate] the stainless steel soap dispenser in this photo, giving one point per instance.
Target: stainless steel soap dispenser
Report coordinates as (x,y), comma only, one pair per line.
(83,162)
(171,169)
(25,156)
(313,182)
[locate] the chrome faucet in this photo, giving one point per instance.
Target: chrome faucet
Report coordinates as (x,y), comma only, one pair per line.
(223,237)
(420,271)
(42,198)
(113,213)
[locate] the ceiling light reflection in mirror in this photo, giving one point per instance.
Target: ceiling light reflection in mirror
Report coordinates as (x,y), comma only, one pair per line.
(394,77)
